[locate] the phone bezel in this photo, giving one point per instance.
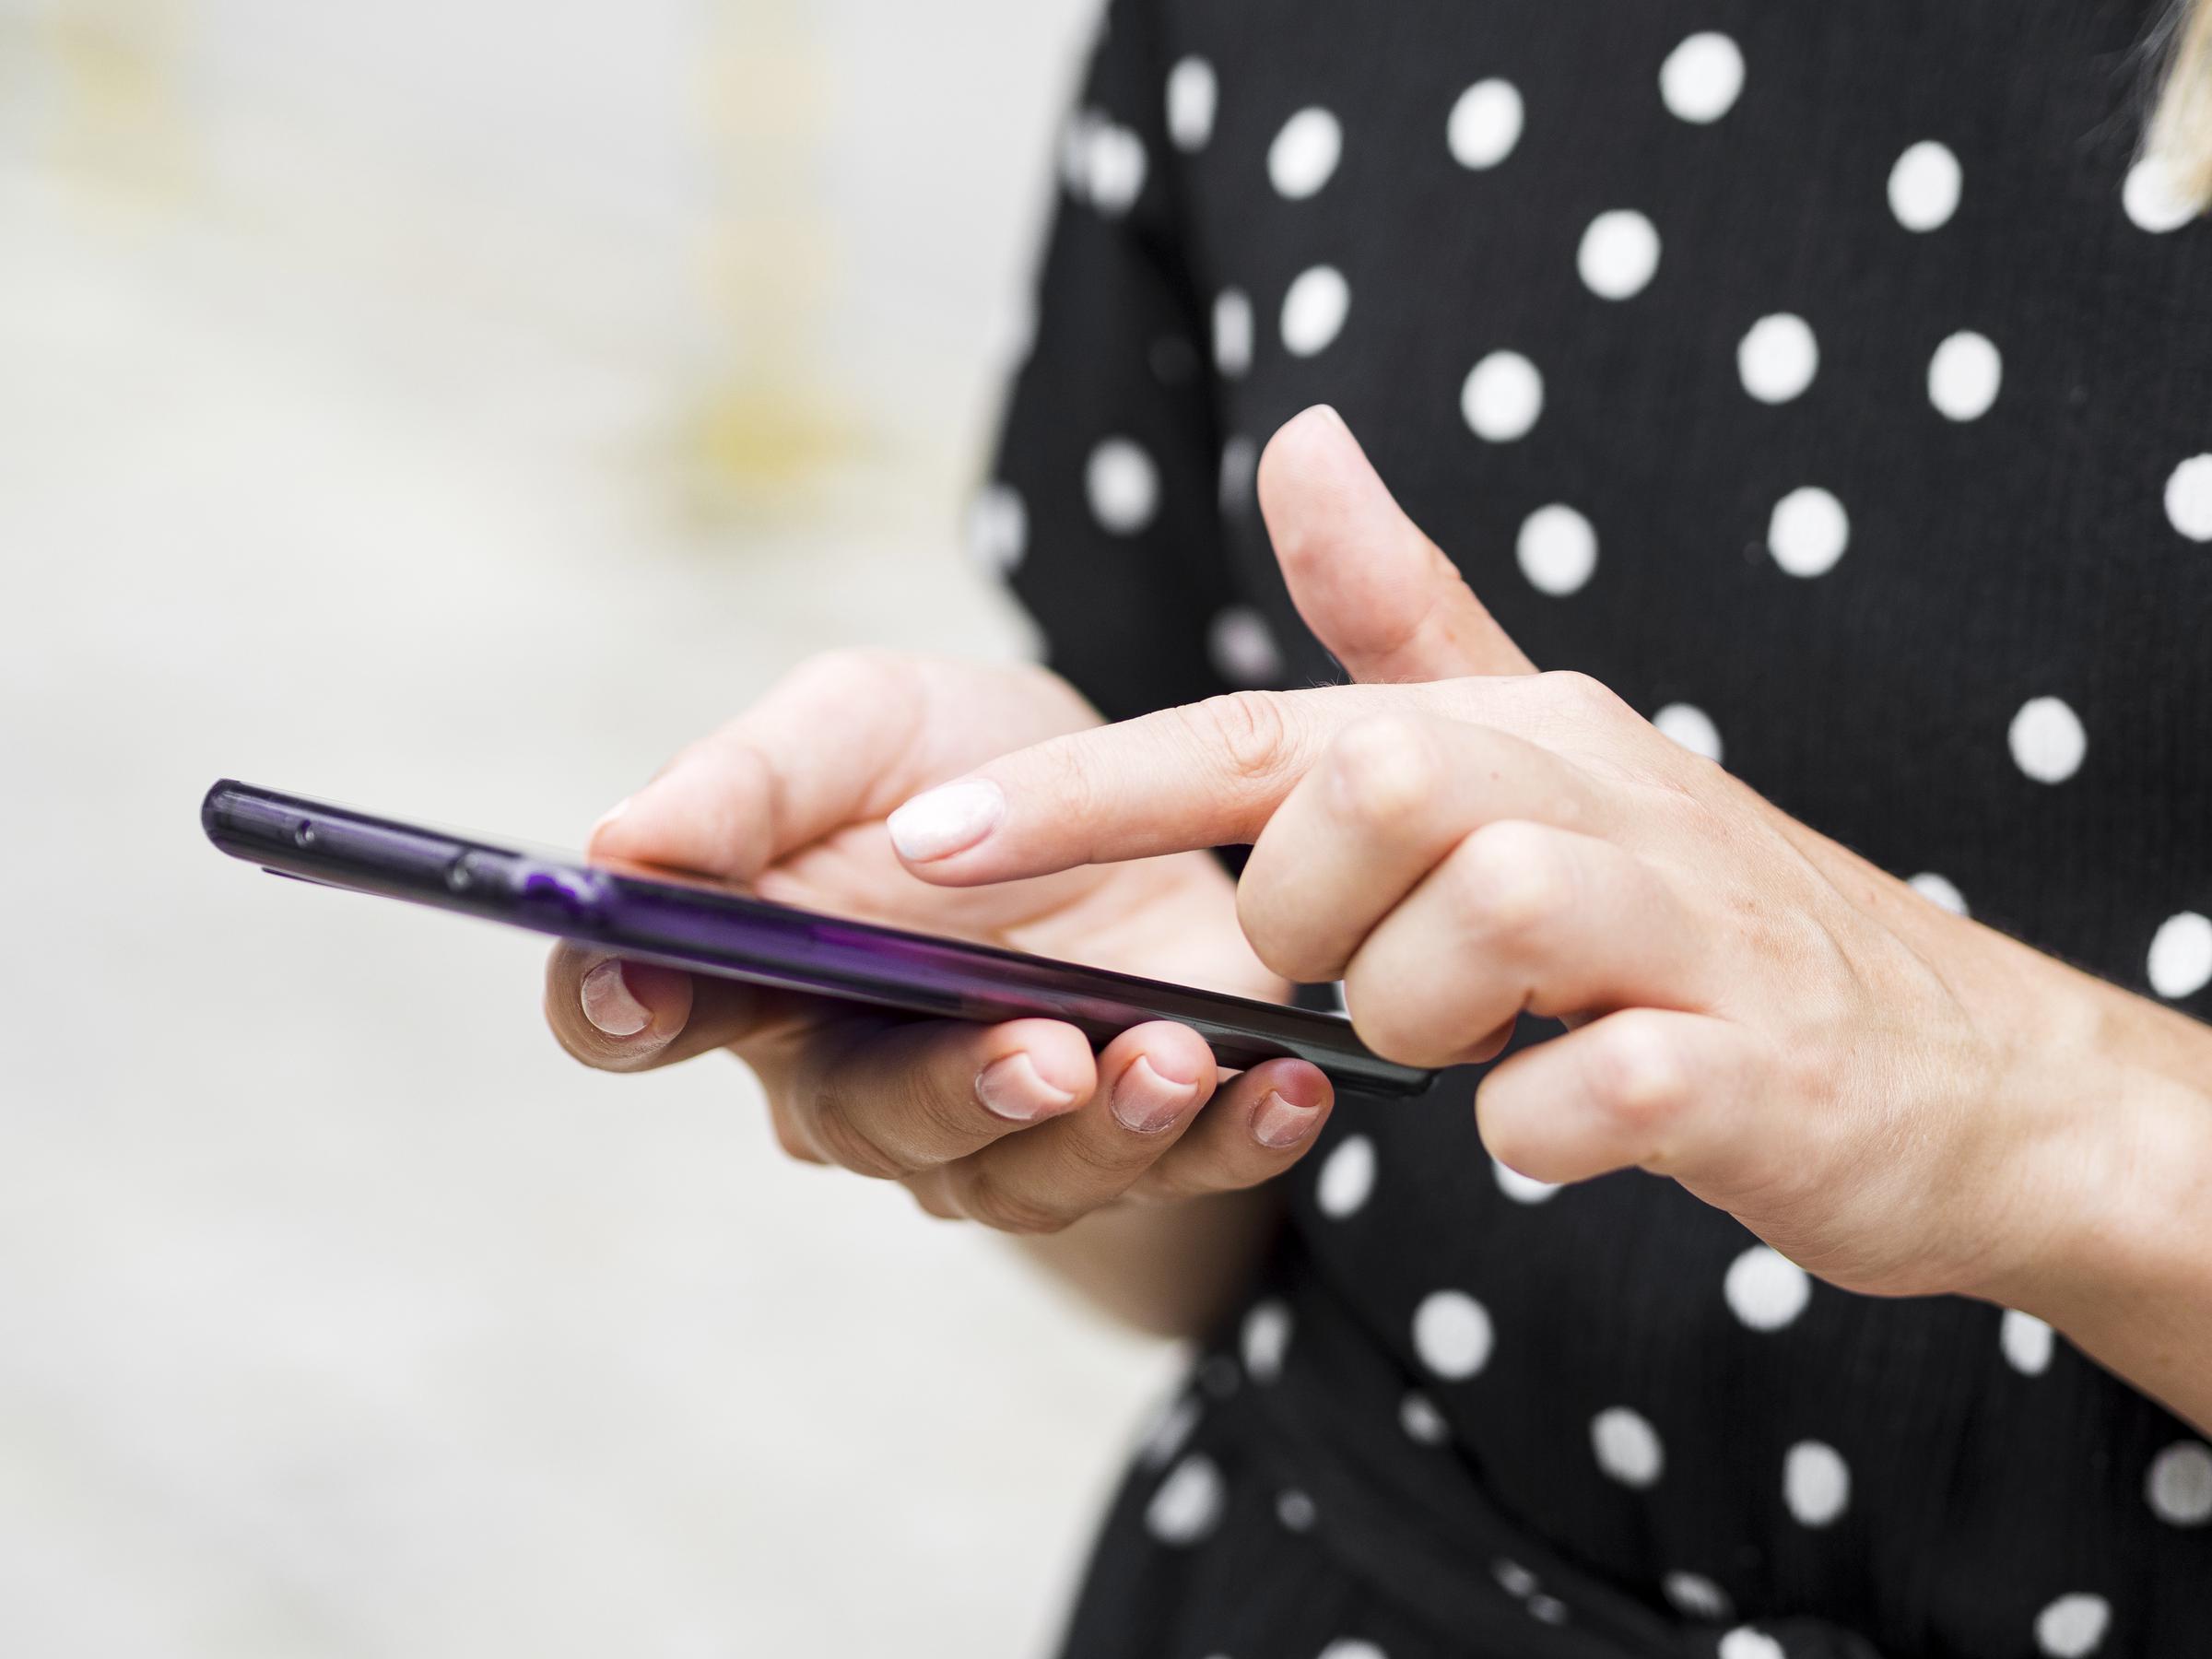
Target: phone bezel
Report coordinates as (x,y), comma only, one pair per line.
(707,927)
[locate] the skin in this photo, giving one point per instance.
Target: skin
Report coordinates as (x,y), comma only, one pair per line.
(1899,1100)
(1137,1174)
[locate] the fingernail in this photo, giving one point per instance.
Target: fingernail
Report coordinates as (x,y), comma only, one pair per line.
(1145,1102)
(1277,1123)
(609,816)
(608,1002)
(947,819)
(1012,1090)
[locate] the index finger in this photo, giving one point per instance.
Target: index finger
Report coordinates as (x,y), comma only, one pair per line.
(1207,774)
(841,739)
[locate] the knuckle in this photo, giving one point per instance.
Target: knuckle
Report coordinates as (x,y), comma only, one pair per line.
(1385,769)
(1172,1180)
(1247,730)
(1104,1165)
(1582,694)
(1070,778)
(1637,1077)
(1509,879)
(842,1142)
(986,1196)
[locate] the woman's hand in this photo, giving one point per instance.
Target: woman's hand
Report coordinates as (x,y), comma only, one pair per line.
(1895,1097)
(1017,1125)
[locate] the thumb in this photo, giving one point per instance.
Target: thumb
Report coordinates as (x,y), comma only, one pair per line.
(1380,594)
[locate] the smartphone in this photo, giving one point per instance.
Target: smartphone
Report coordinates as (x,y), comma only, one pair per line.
(707,928)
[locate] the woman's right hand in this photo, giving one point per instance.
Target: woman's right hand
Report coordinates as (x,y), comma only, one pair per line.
(1017,1125)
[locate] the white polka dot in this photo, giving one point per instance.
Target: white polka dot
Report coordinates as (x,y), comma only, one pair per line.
(1939,893)
(1696,1595)
(1808,532)
(1628,1447)
(1304,153)
(1745,1643)
(1347,1176)
(1452,1333)
(1123,485)
(1701,78)
(1485,124)
(1503,397)
(1618,254)
(1924,186)
(1296,1510)
(1692,727)
(1515,1580)
(1548,1609)
(1189,1502)
(1267,1339)
(2047,740)
(1169,1431)
(1110,166)
(1815,1483)
(2073,1626)
(1242,649)
(998,529)
(2025,1341)
(2155,197)
(1520,1188)
(2181,956)
(1766,1289)
(2179,1487)
(1556,549)
(1345,1648)
(1240,468)
(1778,358)
(1964,375)
(1421,1420)
(1314,309)
(1232,332)
(2189,497)
(1191,95)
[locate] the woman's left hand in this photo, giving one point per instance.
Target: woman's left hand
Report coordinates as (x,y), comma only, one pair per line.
(1897,1099)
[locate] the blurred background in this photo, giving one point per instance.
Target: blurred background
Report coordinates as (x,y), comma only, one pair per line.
(452,407)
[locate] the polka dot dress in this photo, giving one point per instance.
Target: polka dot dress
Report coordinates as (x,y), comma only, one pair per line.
(1835,383)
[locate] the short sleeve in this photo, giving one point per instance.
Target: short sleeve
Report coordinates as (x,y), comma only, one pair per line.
(1102,510)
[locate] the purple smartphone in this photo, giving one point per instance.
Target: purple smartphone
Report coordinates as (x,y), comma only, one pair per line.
(714,930)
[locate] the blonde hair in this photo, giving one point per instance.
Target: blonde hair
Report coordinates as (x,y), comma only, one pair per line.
(2177,140)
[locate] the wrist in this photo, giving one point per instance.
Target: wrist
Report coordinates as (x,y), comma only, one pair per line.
(2114,1216)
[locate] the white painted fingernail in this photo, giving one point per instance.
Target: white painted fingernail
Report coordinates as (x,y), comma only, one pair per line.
(1012,1088)
(947,819)
(609,1003)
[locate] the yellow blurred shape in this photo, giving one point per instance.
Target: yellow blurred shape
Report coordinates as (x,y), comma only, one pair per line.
(120,121)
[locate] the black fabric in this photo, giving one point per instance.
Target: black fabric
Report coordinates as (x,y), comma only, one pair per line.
(2003,686)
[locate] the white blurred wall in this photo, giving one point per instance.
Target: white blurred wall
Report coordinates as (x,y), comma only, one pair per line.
(452,406)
